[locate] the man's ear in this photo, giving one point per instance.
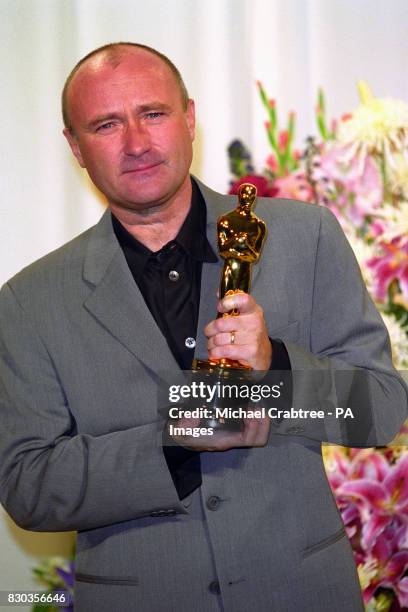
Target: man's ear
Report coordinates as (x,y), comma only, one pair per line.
(190,113)
(73,143)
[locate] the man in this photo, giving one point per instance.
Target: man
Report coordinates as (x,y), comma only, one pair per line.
(90,331)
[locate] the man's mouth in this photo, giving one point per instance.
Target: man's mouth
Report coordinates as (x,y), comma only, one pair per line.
(140,168)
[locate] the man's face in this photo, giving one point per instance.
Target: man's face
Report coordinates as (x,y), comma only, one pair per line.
(131,132)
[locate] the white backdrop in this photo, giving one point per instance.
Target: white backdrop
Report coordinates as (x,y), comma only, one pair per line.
(221,47)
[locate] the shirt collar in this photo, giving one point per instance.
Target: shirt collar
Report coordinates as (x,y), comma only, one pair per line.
(192,236)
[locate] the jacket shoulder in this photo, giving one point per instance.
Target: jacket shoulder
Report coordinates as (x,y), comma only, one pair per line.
(288,211)
(43,272)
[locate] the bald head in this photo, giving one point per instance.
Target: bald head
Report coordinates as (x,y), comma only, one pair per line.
(113,54)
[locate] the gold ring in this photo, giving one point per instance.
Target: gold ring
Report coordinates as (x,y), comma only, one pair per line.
(232,337)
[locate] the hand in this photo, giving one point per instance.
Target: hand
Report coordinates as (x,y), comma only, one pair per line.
(251,341)
(254,433)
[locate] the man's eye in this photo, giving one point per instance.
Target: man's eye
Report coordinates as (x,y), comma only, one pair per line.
(154,114)
(105,126)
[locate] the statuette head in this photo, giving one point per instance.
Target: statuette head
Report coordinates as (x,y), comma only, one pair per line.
(247,195)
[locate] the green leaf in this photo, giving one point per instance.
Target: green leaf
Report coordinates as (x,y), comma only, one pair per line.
(272,141)
(322,127)
(263,95)
(272,117)
(321,101)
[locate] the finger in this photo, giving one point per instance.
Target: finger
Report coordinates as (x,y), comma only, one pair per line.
(185,422)
(241,352)
(262,435)
(224,440)
(223,339)
(243,302)
(223,325)
(245,323)
(251,427)
(219,441)
(256,432)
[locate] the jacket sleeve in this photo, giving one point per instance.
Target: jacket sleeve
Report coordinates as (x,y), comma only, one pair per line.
(51,477)
(349,363)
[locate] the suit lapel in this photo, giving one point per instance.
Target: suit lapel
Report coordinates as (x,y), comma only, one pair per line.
(118,304)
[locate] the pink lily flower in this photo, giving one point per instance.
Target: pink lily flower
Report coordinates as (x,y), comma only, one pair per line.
(369,464)
(385,568)
(294,186)
(350,184)
(391,265)
(379,502)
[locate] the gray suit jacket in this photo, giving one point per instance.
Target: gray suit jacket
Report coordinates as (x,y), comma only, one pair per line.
(80,442)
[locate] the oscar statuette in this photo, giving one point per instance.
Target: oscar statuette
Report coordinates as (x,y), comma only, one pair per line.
(240,235)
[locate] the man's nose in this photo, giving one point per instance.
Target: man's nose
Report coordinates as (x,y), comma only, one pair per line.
(136,138)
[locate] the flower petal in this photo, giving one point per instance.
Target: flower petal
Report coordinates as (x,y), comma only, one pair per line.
(402,592)
(396,483)
(372,529)
(370,464)
(370,492)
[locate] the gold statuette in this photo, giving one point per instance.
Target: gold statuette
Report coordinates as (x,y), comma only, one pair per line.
(241,235)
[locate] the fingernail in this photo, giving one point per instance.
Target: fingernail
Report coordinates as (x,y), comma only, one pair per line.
(229,304)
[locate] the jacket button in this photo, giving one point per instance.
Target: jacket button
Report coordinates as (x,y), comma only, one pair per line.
(214,587)
(212,503)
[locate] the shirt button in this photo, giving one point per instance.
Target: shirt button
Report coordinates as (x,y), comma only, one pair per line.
(213,502)
(190,342)
(174,275)
(214,587)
